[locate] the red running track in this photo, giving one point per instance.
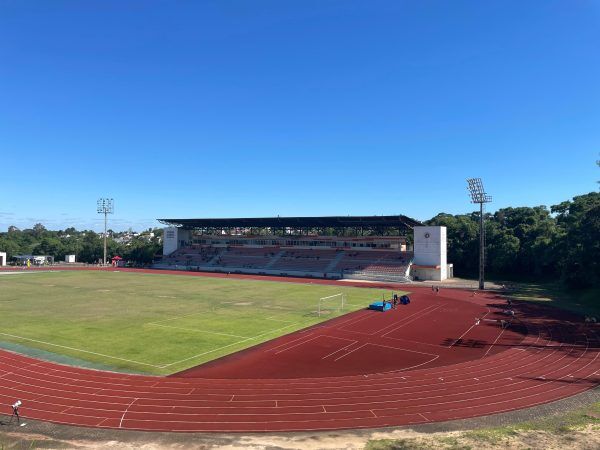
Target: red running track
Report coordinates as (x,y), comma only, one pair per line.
(457,371)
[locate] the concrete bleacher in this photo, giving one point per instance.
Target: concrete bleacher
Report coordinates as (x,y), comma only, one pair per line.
(315,262)
(191,256)
(246,257)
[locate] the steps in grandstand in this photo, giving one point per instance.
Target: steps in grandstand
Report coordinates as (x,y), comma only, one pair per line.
(215,258)
(335,261)
(274,260)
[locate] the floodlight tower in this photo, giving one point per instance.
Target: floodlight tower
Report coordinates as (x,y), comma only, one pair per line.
(106,206)
(478,195)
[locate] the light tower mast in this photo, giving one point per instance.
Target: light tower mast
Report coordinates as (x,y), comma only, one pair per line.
(106,206)
(478,195)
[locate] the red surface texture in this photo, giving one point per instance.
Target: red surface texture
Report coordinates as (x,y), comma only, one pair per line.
(423,362)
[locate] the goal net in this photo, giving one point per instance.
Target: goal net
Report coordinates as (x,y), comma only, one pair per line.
(331,303)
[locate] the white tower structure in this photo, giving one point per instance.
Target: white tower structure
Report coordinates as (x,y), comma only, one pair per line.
(430,250)
(175,238)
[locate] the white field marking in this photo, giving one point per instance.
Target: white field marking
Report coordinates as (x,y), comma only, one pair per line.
(368,403)
(494,343)
(423,417)
(27,271)
(166,296)
(197,331)
(405,350)
(470,328)
(286,343)
(80,350)
(225,346)
(125,412)
(510,401)
(405,318)
(359,403)
(344,323)
(411,321)
(362,389)
(177,317)
(351,351)
(308,340)
(277,320)
(296,345)
(340,349)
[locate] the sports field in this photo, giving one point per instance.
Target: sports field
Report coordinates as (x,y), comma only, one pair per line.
(154,323)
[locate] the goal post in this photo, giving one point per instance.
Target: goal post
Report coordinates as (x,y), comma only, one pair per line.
(335,301)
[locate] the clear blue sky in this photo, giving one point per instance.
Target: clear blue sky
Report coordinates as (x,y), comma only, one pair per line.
(262,108)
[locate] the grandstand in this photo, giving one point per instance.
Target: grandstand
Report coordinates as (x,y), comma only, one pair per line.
(354,247)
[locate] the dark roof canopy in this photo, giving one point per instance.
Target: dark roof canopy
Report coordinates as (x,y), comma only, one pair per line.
(298,222)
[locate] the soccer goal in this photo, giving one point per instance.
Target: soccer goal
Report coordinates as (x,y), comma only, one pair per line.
(330,303)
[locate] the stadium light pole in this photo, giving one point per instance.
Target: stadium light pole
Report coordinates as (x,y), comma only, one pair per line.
(478,195)
(106,206)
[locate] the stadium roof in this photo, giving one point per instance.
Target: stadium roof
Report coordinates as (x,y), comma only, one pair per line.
(298,222)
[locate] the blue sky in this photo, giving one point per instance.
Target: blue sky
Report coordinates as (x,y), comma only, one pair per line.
(294,108)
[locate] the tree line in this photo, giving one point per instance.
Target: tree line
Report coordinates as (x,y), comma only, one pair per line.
(560,242)
(87,245)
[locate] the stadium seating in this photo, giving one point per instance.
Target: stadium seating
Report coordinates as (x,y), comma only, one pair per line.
(319,262)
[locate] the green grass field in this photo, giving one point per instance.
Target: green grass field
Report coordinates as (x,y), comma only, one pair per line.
(154,323)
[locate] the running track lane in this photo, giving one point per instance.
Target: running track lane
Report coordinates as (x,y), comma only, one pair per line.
(556,359)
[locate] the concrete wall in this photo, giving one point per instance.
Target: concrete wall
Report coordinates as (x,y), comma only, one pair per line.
(430,249)
(175,238)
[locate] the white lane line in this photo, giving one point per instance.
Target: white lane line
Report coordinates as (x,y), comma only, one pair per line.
(522,382)
(405,318)
(470,328)
(127,409)
(224,347)
(351,351)
(340,349)
(410,321)
(80,350)
(494,343)
(286,343)
(296,345)
(198,331)
(312,339)
(405,349)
